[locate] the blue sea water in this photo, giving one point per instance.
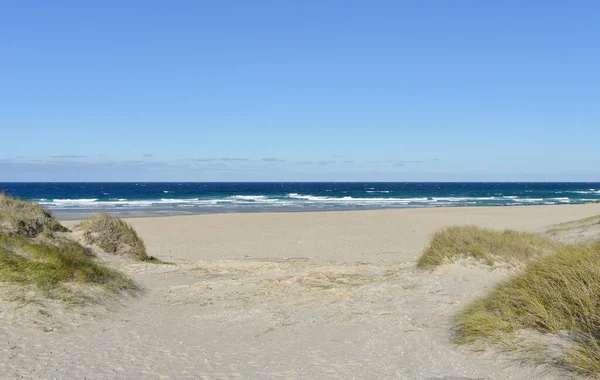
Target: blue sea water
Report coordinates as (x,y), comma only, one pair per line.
(198,198)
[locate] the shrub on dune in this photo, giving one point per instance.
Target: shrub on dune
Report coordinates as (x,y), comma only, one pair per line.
(113,235)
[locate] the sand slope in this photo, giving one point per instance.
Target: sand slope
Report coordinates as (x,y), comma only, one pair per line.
(259,296)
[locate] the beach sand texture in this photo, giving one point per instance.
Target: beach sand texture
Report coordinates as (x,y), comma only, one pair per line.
(279,296)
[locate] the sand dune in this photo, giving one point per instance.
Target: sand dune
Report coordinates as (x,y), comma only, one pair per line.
(275,296)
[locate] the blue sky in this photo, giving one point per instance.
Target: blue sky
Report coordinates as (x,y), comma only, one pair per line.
(299,90)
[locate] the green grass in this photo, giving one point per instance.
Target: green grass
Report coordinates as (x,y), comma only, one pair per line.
(557,293)
(484,245)
(50,266)
(554,294)
(23,218)
(584,358)
(115,236)
(32,254)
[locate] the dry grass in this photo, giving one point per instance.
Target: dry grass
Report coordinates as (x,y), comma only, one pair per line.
(27,219)
(555,294)
(575,225)
(485,245)
(115,236)
(577,231)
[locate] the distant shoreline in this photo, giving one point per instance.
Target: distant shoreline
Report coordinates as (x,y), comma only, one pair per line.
(66,216)
(174,198)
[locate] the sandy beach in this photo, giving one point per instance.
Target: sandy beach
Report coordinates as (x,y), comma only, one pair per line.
(273,190)
(279,296)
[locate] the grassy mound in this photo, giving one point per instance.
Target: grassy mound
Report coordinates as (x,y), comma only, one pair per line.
(32,254)
(50,266)
(27,219)
(114,235)
(555,294)
(488,246)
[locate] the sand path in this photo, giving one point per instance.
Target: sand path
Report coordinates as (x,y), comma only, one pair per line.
(275,296)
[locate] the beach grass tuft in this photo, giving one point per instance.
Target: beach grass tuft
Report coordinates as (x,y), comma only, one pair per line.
(51,265)
(555,294)
(484,245)
(21,218)
(115,236)
(580,224)
(34,253)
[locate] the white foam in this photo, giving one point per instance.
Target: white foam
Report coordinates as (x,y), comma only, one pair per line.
(175,200)
(307,197)
(249,197)
(78,201)
(349,199)
(464,199)
(301,200)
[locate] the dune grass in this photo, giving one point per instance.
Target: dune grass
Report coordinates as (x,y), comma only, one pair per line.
(575,225)
(49,266)
(555,294)
(584,358)
(27,219)
(33,253)
(484,245)
(113,235)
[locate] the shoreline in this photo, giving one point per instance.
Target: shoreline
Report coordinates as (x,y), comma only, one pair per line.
(78,216)
(393,235)
(74,201)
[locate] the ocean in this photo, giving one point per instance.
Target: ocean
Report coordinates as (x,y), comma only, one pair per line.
(201,198)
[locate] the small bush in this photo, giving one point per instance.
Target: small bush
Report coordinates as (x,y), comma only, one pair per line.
(556,293)
(27,219)
(487,246)
(114,235)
